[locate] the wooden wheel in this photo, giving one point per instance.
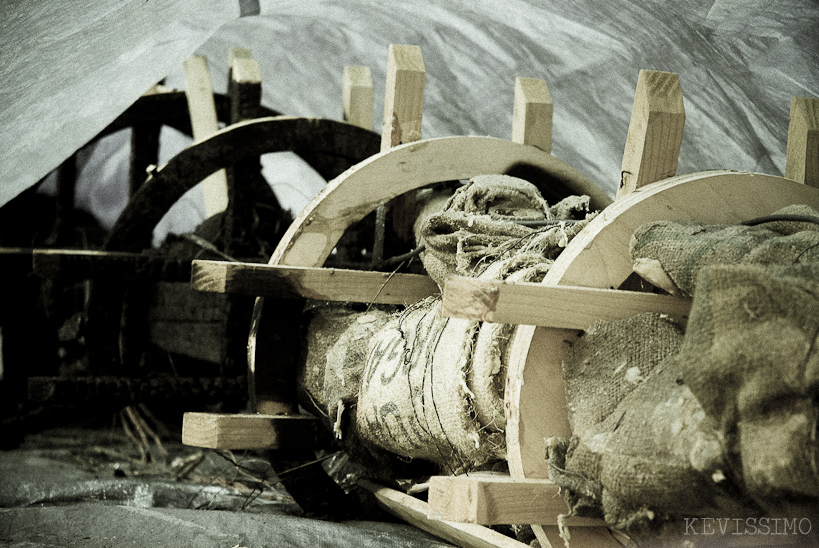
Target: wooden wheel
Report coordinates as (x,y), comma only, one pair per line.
(345,144)
(347,199)
(598,257)
(316,231)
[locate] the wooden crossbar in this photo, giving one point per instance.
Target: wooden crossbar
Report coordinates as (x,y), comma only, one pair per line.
(326,284)
(232,432)
(499,499)
(564,307)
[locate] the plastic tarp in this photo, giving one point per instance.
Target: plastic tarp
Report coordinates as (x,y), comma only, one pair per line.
(70,68)
(81,487)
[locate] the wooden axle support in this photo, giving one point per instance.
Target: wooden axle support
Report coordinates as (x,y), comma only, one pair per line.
(580,288)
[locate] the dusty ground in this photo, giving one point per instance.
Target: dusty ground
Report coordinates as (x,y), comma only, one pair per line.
(102,487)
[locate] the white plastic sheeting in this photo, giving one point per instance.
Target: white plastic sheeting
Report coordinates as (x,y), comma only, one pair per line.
(739,61)
(68,68)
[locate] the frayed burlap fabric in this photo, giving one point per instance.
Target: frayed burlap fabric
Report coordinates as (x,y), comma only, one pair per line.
(642,449)
(724,423)
(751,357)
(478,226)
(669,254)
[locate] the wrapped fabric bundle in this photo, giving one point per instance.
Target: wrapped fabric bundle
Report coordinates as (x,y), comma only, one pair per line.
(669,254)
(480,223)
(720,422)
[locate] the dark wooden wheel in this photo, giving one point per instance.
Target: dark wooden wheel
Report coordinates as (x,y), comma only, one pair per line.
(333,145)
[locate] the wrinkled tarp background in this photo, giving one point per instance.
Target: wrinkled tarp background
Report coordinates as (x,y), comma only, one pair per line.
(69,68)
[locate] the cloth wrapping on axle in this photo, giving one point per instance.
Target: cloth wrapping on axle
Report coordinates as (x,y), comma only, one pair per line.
(479,224)
(419,385)
(433,386)
(719,422)
(669,254)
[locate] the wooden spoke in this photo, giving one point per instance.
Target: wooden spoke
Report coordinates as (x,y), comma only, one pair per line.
(655,131)
(532,114)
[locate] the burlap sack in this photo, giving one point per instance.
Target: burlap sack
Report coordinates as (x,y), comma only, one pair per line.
(726,426)
(414,400)
(643,450)
(669,254)
(610,360)
(751,358)
(478,225)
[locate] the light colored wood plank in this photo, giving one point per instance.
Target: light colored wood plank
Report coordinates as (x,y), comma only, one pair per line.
(325,284)
(347,199)
(228,431)
(532,114)
(803,142)
(236,52)
(563,307)
(404,100)
(535,397)
(495,499)
(357,96)
(655,131)
(415,511)
(403,111)
(246,71)
(199,91)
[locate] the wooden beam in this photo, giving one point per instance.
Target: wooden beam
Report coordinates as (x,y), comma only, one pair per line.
(404,100)
(803,142)
(403,110)
(228,431)
(202,109)
(564,307)
(415,512)
(357,96)
(499,499)
(244,86)
(110,392)
(325,284)
(655,131)
(85,264)
(532,114)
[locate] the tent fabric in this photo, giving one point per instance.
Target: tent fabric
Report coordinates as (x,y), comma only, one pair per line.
(70,67)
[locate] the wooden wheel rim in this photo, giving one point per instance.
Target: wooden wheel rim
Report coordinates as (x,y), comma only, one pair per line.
(133,230)
(235,143)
